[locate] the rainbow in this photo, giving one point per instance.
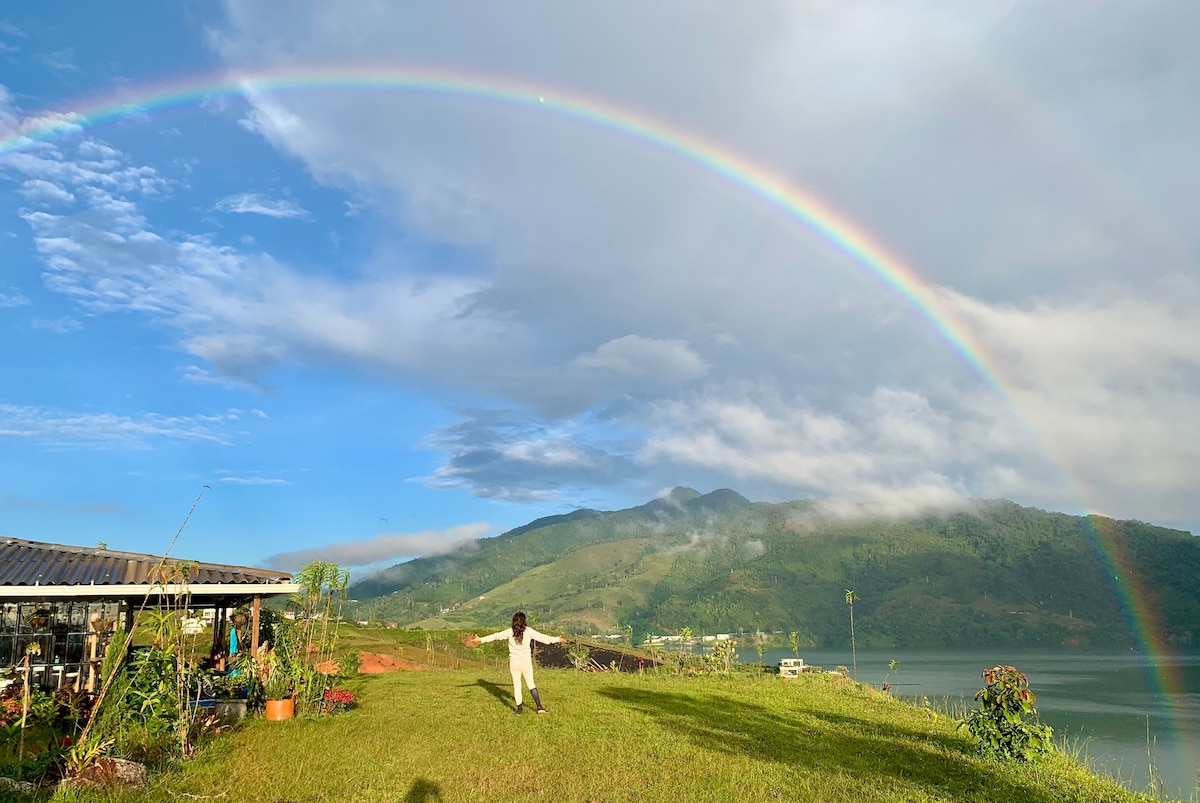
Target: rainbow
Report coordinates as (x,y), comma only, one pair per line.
(846,236)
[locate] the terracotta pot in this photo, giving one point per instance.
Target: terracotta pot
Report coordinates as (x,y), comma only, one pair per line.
(278,710)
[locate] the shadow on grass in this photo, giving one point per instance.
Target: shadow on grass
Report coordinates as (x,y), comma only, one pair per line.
(423,791)
(497,691)
(862,749)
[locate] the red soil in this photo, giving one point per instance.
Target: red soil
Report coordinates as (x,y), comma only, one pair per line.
(374,663)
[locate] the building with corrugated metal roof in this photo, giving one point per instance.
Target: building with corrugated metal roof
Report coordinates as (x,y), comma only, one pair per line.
(70,601)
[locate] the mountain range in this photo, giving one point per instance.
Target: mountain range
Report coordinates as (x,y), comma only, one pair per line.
(989,572)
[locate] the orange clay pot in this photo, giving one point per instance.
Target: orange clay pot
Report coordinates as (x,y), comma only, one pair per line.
(278,710)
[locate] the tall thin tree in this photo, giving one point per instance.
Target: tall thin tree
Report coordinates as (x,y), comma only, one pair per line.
(851,597)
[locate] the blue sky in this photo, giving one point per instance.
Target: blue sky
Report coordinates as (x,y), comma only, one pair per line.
(376,323)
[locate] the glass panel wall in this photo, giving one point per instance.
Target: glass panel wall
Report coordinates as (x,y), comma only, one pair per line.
(70,637)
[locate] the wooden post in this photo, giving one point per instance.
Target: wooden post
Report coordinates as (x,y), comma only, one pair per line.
(254,614)
(93,645)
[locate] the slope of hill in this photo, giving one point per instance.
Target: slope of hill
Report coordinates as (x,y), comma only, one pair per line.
(993,573)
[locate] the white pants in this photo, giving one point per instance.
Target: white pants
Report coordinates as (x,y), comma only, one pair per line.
(521,668)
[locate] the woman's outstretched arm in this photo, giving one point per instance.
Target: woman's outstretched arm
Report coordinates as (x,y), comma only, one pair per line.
(501,634)
(542,637)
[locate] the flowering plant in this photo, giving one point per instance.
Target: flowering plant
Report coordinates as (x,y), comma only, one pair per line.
(336,701)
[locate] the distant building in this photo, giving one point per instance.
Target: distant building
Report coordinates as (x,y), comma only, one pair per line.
(791,667)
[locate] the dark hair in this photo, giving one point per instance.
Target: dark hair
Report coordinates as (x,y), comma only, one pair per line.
(518,626)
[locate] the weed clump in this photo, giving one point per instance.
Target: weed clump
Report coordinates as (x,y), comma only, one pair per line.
(999,725)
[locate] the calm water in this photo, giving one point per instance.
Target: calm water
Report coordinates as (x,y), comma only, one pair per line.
(1103,699)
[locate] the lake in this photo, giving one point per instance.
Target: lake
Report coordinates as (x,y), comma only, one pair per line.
(1103,701)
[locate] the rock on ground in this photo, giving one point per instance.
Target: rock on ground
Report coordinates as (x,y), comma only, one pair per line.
(111,772)
(20,787)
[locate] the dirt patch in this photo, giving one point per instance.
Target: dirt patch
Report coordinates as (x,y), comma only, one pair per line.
(374,663)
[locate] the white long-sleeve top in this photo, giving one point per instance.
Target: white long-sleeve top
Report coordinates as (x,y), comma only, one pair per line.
(521,651)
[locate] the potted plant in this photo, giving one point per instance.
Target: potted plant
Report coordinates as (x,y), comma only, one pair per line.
(231,692)
(103,625)
(277,688)
(38,619)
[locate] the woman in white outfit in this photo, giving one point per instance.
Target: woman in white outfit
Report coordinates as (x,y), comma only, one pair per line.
(520,658)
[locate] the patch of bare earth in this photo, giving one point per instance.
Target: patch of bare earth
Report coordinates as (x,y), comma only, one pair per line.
(374,663)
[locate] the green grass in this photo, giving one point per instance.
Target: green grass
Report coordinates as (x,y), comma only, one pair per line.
(452,736)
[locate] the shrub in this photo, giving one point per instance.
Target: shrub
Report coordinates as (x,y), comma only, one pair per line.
(349,664)
(579,654)
(1000,725)
(722,656)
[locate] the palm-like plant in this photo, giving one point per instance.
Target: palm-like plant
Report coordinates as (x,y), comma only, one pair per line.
(851,598)
(685,643)
(321,584)
(794,640)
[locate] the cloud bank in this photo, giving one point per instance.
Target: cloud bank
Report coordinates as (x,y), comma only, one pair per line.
(382,549)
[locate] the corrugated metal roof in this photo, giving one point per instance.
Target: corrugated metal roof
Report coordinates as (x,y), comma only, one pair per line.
(27,563)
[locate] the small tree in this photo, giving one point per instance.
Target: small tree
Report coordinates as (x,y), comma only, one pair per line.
(999,724)
(579,655)
(794,640)
(851,598)
(893,666)
(685,640)
(685,644)
(722,656)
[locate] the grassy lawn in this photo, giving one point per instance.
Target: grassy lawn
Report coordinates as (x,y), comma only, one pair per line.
(451,736)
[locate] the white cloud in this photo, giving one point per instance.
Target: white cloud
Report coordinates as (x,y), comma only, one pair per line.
(57,326)
(501,455)
(636,357)
(255,481)
(200,376)
(253,203)
(110,429)
(60,61)
(384,548)
(1108,387)
(882,447)
(13,299)
(39,191)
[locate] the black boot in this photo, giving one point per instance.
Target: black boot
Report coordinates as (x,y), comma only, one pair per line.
(537,700)
(520,708)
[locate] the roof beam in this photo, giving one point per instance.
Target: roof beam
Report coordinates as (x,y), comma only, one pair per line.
(141,590)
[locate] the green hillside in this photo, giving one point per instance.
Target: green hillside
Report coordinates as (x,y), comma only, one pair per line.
(995,572)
